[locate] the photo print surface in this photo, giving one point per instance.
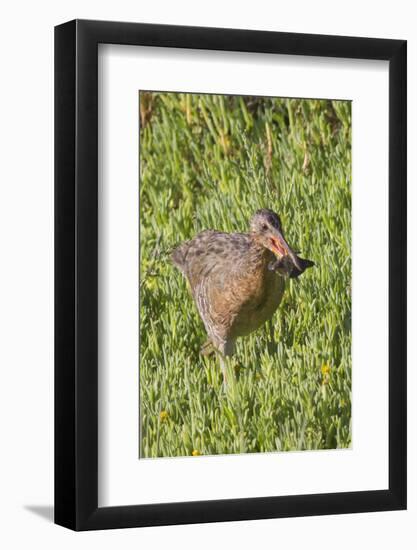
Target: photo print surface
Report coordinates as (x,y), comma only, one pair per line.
(245,274)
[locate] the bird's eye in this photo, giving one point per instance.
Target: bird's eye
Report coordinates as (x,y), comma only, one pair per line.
(264,227)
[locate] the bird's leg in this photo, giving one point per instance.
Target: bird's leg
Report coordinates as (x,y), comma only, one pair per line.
(223,366)
(226,350)
(228,372)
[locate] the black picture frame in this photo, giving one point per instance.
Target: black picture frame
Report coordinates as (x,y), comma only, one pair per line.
(76,272)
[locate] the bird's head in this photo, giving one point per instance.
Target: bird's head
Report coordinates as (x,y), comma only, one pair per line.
(266,230)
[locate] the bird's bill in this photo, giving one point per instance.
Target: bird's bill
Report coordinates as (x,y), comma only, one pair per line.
(279,246)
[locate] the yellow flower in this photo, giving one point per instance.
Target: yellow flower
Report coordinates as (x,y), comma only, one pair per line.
(196,453)
(163,416)
(325,369)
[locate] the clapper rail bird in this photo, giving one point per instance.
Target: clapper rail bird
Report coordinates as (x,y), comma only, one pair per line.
(238,280)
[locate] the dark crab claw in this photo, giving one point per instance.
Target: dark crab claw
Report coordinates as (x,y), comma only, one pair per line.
(304,264)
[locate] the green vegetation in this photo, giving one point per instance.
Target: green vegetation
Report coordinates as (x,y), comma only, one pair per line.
(211,162)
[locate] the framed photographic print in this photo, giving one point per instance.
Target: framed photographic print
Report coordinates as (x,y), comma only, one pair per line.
(230,249)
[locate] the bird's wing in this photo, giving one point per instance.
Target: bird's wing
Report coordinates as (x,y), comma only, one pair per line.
(188,254)
(209,261)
